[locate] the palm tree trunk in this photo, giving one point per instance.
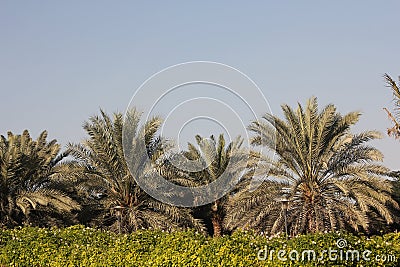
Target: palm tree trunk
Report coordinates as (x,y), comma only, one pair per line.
(217,224)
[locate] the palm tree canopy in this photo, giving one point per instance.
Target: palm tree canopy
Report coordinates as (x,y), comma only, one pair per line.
(329,175)
(104,158)
(216,159)
(31,175)
(215,156)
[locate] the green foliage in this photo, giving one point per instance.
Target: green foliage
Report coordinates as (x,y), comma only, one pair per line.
(80,246)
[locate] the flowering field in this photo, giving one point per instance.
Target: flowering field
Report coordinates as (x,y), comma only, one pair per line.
(80,246)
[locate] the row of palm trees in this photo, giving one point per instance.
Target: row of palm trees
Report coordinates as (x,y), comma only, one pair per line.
(330,178)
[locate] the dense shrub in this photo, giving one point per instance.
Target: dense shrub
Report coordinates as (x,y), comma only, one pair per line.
(80,246)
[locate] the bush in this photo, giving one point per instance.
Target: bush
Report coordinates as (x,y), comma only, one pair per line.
(80,246)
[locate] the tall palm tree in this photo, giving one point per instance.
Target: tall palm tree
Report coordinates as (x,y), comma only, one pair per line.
(31,175)
(124,206)
(217,158)
(323,177)
(395,130)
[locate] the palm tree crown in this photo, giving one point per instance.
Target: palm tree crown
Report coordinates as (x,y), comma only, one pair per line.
(31,176)
(328,175)
(124,205)
(218,158)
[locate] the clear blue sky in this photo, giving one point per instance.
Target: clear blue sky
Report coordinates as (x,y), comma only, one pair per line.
(61,61)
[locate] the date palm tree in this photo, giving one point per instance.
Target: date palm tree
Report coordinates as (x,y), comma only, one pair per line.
(31,176)
(217,158)
(123,205)
(395,132)
(323,177)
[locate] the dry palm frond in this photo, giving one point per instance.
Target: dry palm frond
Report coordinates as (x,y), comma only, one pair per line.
(395,116)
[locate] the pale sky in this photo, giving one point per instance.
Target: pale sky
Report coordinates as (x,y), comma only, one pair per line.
(61,61)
